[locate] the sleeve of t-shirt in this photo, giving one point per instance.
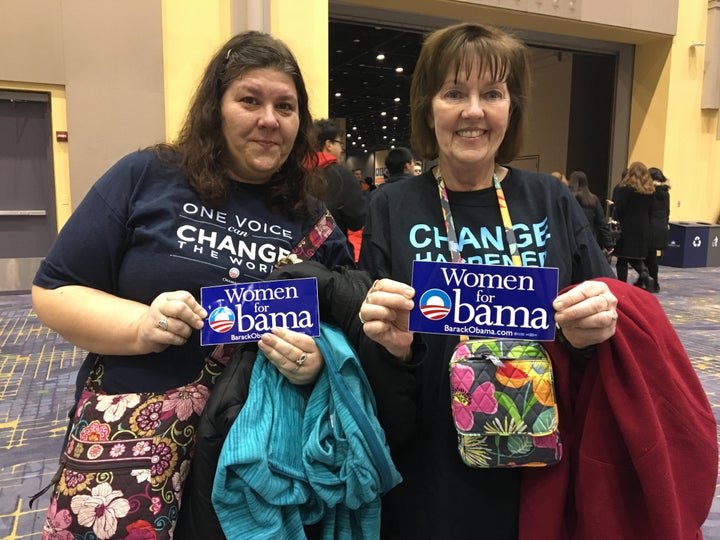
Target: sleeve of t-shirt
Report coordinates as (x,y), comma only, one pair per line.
(90,247)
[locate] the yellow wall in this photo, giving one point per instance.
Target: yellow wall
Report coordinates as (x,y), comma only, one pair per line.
(192,31)
(303,26)
(58,119)
(668,129)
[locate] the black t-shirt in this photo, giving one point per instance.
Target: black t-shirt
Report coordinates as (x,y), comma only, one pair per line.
(440,497)
(141,230)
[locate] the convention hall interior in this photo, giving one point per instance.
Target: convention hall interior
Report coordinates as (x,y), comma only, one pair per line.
(85,82)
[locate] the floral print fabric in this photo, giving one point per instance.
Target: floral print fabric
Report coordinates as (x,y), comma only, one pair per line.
(126,461)
(503,404)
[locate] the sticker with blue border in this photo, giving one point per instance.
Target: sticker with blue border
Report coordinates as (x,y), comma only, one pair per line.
(245,311)
(480,300)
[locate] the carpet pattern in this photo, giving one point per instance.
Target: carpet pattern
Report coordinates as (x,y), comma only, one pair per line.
(38,367)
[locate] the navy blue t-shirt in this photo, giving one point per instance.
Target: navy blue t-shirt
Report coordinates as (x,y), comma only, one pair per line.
(141,230)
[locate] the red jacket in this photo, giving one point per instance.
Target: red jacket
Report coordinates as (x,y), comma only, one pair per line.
(640,439)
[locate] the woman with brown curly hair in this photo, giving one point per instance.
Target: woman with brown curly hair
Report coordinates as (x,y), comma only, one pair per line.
(633,198)
(221,205)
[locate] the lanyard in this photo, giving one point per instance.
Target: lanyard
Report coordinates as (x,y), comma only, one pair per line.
(450,224)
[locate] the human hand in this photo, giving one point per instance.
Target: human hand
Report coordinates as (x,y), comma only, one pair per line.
(586,314)
(170,320)
(385,314)
(295,355)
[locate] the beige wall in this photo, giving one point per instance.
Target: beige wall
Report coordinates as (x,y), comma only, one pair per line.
(114,84)
(31,41)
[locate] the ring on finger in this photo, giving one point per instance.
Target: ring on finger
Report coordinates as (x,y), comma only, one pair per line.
(361,318)
(613,316)
(162,324)
(300,361)
(607,302)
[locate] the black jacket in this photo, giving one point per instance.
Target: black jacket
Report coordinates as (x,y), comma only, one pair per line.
(660,216)
(340,294)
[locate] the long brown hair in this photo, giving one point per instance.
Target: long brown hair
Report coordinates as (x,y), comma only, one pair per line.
(201,149)
(638,179)
(580,188)
(457,48)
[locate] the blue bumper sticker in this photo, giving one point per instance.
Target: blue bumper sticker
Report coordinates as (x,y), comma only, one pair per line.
(245,311)
(481,300)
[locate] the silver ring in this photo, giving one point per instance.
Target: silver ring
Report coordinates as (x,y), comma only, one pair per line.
(360,317)
(300,361)
(613,316)
(162,324)
(607,302)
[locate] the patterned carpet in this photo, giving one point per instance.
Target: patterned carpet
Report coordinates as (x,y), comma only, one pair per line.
(37,372)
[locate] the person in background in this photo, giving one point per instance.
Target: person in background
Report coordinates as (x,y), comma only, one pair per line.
(358,175)
(370,186)
(590,203)
(123,277)
(633,201)
(560,176)
(660,223)
(468,101)
(399,164)
(417,168)
(343,197)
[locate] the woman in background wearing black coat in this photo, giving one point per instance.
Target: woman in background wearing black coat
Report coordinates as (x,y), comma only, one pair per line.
(633,198)
(659,219)
(578,184)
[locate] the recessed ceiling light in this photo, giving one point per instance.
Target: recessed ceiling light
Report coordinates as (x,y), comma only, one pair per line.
(354,128)
(399,69)
(397,100)
(380,56)
(383,113)
(394,117)
(338,94)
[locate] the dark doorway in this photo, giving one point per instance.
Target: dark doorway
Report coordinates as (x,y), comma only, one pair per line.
(591,119)
(27,205)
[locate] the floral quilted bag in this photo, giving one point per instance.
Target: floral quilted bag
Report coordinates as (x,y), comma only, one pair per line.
(126,460)
(503,404)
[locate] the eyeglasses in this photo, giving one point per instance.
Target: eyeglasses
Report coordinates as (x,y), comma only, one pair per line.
(339,142)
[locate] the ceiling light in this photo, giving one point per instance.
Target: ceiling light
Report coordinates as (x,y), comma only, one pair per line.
(354,128)
(383,113)
(399,69)
(394,117)
(384,127)
(359,137)
(380,56)
(397,100)
(338,94)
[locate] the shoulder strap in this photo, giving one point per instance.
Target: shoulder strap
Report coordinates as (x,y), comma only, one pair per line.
(306,248)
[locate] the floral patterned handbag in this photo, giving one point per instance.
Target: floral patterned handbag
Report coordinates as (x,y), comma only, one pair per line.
(126,459)
(503,404)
